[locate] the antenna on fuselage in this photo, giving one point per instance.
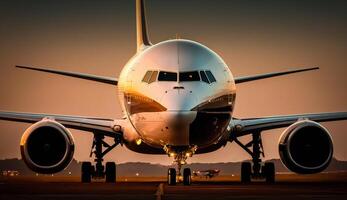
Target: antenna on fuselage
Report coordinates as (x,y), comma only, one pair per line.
(141,26)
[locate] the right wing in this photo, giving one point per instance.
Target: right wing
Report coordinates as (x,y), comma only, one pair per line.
(109,127)
(101,79)
(250,125)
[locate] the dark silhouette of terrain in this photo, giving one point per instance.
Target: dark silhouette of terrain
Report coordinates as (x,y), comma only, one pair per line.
(148,169)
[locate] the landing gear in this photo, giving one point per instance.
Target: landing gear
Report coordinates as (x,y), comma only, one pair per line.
(87,170)
(269,172)
(258,170)
(110,172)
(187,176)
(246,172)
(99,149)
(180,155)
(171,176)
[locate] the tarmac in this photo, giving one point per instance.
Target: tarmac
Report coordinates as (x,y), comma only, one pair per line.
(321,186)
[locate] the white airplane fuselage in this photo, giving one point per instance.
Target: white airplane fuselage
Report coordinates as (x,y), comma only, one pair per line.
(178,112)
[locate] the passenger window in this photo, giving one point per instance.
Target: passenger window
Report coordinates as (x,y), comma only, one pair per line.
(147,76)
(153,77)
(204,77)
(210,76)
(167,76)
(189,76)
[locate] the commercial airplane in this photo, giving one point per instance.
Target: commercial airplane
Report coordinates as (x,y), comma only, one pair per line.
(210,173)
(177,98)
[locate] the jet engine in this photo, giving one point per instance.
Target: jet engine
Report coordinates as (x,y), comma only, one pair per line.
(47,147)
(306,147)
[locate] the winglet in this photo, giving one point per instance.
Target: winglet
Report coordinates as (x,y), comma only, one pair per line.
(269,75)
(141,26)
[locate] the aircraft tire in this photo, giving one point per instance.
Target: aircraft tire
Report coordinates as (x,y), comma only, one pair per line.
(187,176)
(246,172)
(171,176)
(110,172)
(86,172)
(269,172)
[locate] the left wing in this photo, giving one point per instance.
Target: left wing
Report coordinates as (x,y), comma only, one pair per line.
(91,77)
(242,127)
(244,79)
(108,127)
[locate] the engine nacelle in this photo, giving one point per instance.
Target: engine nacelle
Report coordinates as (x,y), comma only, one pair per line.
(306,147)
(47,147)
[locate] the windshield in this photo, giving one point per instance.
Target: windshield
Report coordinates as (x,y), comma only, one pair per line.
(189,76)
(204,76)
(167,76)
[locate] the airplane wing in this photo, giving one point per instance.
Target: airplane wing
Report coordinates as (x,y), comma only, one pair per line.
(242,127)
(244,79)
(100,79)
(108,127)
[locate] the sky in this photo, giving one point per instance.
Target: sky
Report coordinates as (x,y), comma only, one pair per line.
(99,37)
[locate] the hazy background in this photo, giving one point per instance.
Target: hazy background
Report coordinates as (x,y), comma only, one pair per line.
(98,37)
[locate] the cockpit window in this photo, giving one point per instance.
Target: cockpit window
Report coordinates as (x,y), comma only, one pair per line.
(167,76)
(210,76)
(204,77)
(150,76)
(189,76)
(147,76)
(153,77)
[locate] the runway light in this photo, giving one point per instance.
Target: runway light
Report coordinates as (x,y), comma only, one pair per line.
(138,141)
(137,174)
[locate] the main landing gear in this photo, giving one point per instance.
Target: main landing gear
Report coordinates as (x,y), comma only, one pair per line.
(180,156)
(100,148)
(259,170)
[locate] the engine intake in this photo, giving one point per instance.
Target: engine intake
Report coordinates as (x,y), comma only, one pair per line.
(47,147)
(306,147)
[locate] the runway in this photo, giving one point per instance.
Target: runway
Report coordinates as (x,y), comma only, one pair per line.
(322,186)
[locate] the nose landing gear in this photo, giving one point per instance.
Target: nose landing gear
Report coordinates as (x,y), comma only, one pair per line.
(180,156)
(187,176)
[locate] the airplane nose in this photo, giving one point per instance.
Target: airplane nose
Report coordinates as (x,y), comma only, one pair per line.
(178,116)
(177,125)
(179,99)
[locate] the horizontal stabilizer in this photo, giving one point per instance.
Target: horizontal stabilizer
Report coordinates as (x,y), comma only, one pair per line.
(101,79)
(269,75)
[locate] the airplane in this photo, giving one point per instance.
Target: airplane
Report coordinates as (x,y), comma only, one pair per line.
(210,173)
(177,97)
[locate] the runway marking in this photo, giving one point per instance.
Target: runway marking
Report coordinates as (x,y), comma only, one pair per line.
(160,191)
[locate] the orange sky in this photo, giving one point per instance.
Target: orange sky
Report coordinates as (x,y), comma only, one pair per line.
(98,37)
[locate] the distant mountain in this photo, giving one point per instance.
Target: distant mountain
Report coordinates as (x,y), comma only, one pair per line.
(148,169)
